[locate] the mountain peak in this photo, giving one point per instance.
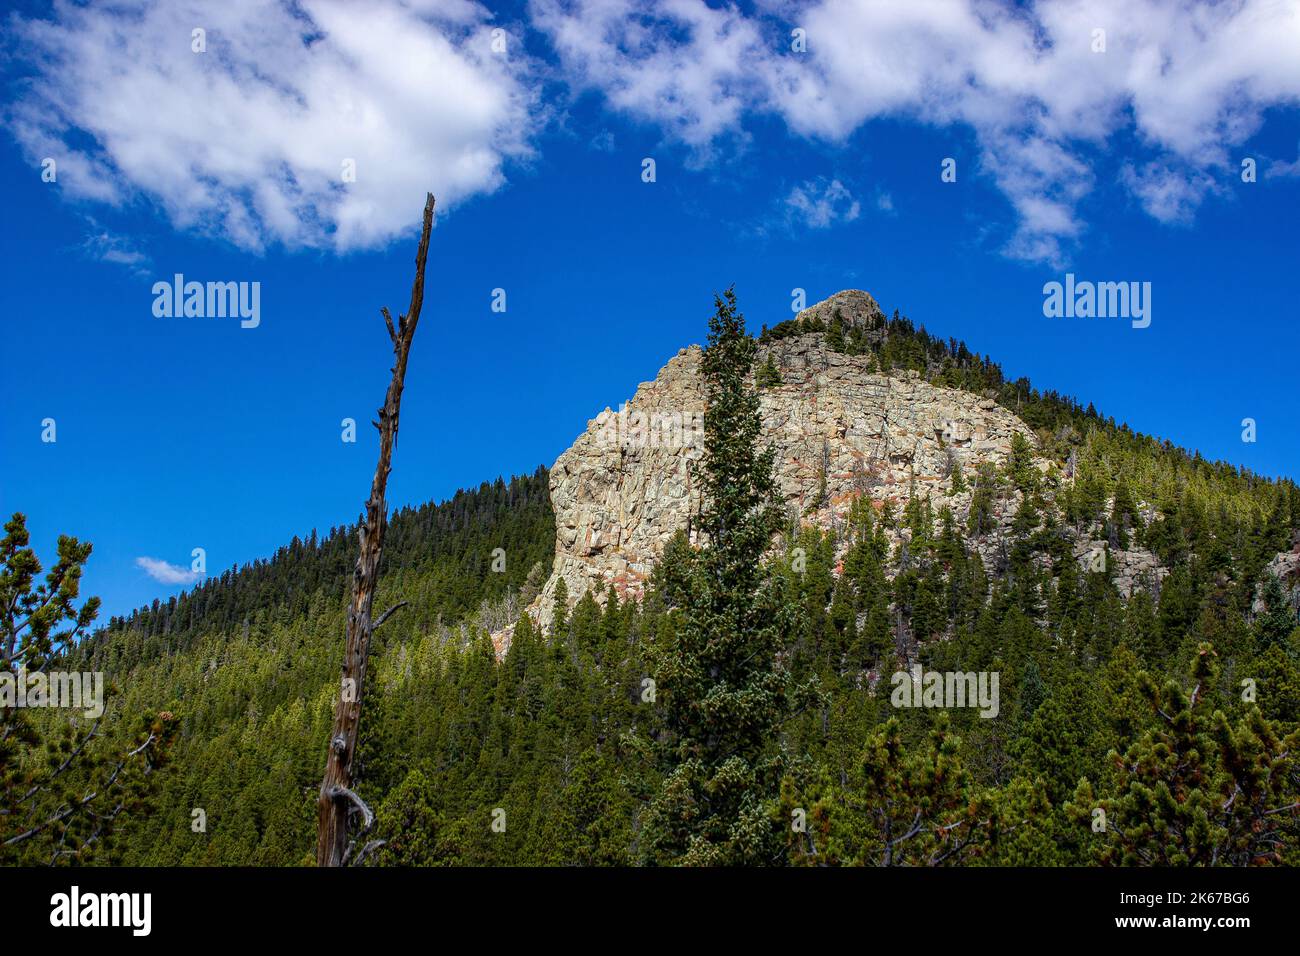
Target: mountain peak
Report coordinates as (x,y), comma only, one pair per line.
(856,308)
(841,428)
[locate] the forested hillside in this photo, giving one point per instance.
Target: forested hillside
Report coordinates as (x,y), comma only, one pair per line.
(248,661)
(1171,713)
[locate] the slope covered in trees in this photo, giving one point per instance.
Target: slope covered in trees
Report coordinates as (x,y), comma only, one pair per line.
(1150,729)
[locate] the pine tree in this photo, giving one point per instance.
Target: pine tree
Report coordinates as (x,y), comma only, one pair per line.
(877,641)
(958,480)
(586,622)
(721,679)
(927,617)
(1196,790)
(594,824)
(911,807)
(1061,739)
(408,824)
(560,621)
(1020,465)
(835,335)
(1277,622)
(1123,515)
(768,375)
(64,784)
(980,519)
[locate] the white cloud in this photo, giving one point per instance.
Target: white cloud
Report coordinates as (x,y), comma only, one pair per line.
(104,246)
(166,572)
(1281,169)
(695,87)
(248,139)
(1167,194)
(1186,81)
(819,204)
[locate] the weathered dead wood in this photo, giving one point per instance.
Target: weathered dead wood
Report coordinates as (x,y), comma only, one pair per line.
(338,799)
(389,613)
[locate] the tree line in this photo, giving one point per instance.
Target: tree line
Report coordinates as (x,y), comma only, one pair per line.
(741,713)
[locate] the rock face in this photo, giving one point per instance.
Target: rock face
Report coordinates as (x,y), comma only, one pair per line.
(1285,566)
(841,431)
(855,308)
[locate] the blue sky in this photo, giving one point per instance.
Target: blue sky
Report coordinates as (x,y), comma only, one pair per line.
(775,170)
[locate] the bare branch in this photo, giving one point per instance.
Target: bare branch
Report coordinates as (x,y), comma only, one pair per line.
(343,793)
(383,617)
(367,850)
(333,847)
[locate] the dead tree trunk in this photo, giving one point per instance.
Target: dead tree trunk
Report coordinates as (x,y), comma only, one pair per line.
(338,801)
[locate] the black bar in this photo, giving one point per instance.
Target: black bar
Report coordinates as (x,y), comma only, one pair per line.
(481,906)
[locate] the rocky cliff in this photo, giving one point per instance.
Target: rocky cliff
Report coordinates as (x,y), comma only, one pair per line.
(842,430)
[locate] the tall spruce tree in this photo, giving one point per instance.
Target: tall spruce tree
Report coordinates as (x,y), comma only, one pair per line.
(723,683)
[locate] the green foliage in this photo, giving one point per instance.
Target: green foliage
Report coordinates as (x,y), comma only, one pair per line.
(1197,789)
(768,374)
(907,807)
(408,825)
(1278,621)
(725,689)
(980,519)
(958,479)
(1020,465)
(70,778)
(560,619)
(835,335)
(675,729)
